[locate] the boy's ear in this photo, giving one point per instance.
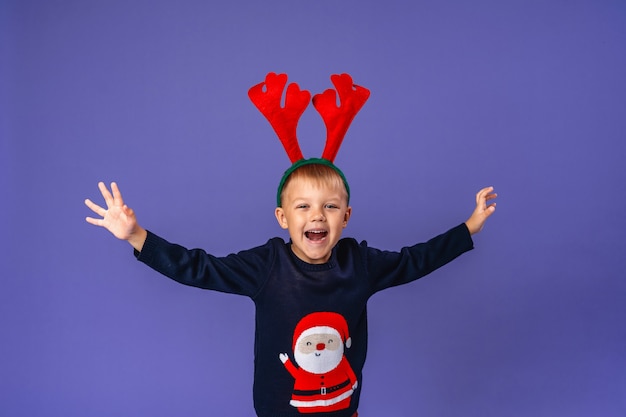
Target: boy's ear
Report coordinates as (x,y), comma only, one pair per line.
(346,216)
(280,217)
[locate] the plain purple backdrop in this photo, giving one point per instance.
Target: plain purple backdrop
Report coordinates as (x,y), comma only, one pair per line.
(528,96)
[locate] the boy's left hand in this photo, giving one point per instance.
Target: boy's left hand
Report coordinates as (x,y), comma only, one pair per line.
(482,211)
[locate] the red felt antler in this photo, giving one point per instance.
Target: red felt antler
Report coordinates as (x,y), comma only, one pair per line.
(284,120)
(338,118)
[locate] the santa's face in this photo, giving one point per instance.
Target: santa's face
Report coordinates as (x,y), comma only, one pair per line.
(319,353)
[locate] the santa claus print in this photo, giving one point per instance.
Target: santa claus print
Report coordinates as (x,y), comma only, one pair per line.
(324,380)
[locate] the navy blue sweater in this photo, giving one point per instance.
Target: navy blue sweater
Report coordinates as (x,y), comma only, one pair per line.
(285,290)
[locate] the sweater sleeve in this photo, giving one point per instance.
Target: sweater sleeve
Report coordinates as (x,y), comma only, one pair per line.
(387,269)
(242,273)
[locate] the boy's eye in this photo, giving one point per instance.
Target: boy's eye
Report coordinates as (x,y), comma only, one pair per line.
(331,206)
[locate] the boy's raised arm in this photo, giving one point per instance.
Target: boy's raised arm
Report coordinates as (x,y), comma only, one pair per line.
(482,211)
(117,218)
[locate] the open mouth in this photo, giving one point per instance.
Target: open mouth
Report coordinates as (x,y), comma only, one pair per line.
(316,235)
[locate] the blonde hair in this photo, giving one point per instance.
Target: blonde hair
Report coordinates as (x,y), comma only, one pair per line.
(320,174)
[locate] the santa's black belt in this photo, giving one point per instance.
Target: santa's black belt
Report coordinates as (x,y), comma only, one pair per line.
(322,390)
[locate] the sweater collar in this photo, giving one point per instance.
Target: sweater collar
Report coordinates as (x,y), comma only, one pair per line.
(330,264)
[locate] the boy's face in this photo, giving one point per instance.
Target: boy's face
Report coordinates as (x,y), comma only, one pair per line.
(315,216)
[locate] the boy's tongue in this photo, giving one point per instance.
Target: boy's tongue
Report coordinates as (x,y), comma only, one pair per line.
(316,234)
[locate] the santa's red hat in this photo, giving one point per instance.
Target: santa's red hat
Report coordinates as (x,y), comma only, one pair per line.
(322,323)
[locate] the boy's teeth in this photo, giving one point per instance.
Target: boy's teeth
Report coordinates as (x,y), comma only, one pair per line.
(316,234)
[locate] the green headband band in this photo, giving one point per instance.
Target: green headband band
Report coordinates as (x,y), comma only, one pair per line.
(310,161)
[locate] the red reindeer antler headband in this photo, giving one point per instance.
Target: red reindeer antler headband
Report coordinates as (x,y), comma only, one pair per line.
(267,96)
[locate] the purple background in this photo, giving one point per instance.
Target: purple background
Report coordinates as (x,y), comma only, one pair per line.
(528,96)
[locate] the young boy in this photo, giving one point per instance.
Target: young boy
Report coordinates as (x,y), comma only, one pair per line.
(310,293)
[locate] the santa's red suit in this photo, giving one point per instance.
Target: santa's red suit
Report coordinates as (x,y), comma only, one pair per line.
(331,391)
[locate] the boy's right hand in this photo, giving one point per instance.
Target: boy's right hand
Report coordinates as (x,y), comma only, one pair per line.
(117,218)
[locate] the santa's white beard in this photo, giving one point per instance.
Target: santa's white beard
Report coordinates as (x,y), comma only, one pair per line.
(320,361)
